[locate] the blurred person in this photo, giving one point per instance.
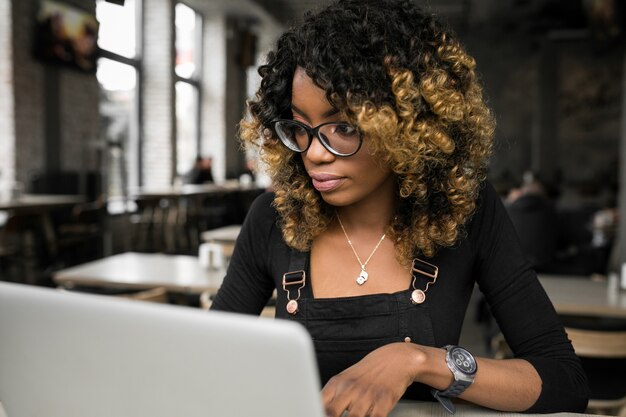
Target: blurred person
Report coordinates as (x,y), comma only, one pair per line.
(201,172)
(535,220)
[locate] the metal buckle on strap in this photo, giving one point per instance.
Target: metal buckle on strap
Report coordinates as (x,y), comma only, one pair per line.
(429,270)
(422,267)
(293,278)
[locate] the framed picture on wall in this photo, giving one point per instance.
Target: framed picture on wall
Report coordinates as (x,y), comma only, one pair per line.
(66,35)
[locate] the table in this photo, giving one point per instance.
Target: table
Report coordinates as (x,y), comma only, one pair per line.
(137,271)
(583,296)
(29,216)
(226,234)
(434,409)
(38,202)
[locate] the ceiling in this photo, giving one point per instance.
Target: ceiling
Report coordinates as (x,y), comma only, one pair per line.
(525,16)
(286,11)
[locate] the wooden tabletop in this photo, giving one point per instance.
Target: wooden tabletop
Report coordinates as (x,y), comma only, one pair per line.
(189,190)
(41,201)
(584,296)
(434,409)
(176,273)
(226,234)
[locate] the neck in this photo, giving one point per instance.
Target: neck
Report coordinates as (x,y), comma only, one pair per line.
(371,217)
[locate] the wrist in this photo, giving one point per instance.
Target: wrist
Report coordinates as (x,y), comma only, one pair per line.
(420,363)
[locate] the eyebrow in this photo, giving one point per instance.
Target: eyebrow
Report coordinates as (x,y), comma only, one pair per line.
(326,114)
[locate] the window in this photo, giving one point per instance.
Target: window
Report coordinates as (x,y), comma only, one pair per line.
(119,78)
(188,69)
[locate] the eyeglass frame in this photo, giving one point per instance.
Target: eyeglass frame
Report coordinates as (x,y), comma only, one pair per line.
(314,132)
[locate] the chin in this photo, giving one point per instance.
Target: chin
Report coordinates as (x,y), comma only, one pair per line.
(336,198)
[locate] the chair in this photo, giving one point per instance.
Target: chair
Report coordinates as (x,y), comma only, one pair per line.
(81,238)
(9,249)
(269,310)
(148,225)
(153,295)
(600,352)
(25,248)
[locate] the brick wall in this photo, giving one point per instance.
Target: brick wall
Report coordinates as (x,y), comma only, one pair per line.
(80,121)
(7,129)
(158,110)
(80,117)
(28,88)
(214,94)
(74,100)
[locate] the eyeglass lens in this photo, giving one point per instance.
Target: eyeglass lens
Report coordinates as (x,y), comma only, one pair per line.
(339,138)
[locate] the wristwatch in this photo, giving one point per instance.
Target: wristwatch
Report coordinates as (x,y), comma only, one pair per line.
(463,366)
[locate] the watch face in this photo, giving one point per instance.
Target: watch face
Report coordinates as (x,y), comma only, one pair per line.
(463,360)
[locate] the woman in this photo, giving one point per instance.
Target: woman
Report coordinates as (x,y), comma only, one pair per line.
(372,123)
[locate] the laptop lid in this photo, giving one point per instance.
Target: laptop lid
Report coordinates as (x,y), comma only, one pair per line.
(76,355)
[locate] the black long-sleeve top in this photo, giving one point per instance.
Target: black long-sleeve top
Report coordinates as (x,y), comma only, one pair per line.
(488,255)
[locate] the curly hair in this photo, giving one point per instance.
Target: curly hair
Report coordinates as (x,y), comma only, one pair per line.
(405,80)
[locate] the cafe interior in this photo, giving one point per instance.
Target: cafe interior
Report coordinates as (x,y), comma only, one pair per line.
(121,172)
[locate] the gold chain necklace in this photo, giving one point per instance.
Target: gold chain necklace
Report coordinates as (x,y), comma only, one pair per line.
(363,274)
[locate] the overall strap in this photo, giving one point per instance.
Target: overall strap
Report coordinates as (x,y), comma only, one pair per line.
(297,260)
(294,280)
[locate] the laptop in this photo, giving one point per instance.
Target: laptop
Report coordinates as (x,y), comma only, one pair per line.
(77,355)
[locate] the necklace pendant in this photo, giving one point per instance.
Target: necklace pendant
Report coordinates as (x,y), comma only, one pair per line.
(362,277)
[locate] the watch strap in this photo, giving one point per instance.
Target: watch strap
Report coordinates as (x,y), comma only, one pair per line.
(446,402)
(455,389)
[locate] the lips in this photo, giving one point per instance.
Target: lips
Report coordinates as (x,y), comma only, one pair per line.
(325,182)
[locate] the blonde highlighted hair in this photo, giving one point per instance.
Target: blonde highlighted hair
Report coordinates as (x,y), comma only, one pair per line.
(412,90)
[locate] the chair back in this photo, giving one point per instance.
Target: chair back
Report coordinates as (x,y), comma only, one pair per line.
(154,295)
(598,343)
(600,351)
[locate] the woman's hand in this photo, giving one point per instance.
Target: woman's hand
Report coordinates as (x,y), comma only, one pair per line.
(374,385)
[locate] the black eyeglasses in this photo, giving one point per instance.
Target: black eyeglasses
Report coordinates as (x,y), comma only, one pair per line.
(339,138)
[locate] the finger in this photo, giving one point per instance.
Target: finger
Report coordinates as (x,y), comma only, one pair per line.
(360,408)
(335,400)
(328,392)
(337,407)
(381,408)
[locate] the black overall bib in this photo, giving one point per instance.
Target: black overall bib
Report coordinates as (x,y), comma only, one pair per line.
(346,329)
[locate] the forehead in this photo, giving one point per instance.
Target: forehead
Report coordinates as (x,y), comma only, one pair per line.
(307,98)
(302,84)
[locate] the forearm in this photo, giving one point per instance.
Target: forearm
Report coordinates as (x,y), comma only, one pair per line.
(507,385)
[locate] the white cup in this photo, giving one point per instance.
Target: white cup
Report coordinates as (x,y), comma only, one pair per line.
(211,255)
(245,180)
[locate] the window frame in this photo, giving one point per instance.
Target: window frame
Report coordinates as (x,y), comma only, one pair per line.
(196,80)
(136,63)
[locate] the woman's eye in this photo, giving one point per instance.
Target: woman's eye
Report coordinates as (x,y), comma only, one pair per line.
(345,129)
(299,131)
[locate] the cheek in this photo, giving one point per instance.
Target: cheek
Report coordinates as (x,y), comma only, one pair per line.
(371,168)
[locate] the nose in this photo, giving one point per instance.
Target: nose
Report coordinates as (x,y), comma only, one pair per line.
(317,153)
